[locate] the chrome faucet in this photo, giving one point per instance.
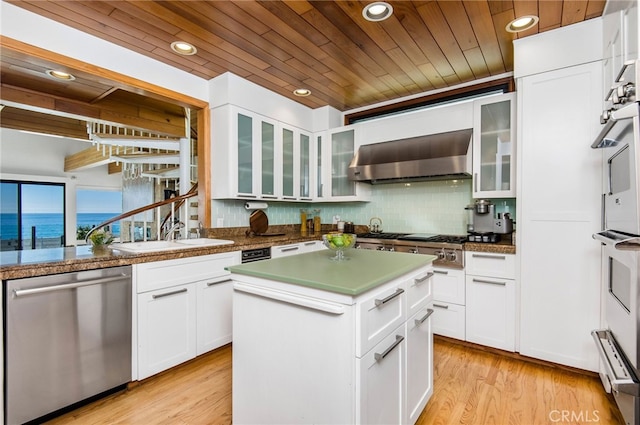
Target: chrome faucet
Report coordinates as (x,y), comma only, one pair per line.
(171,233)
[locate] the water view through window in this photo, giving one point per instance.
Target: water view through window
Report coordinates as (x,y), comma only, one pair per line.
(32,215)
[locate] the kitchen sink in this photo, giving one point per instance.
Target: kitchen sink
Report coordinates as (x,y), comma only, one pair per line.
(157,246)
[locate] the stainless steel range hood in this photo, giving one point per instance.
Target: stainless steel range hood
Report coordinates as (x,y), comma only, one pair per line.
(439,156)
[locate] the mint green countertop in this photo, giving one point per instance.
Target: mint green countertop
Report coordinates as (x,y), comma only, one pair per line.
(364,270)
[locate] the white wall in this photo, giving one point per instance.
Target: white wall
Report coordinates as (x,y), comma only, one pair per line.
(40,158)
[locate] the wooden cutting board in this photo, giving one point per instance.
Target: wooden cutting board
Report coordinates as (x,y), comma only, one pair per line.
(259,223)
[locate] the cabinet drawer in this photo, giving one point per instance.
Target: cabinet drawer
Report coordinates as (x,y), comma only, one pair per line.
(164,274)
(448,319)
(490,264)
(382,381)
(419,290)
(448,285)
(286,250)
(378,314)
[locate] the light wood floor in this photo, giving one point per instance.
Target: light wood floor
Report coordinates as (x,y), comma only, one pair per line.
(471,386)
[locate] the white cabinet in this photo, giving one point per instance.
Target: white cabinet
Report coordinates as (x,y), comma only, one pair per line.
(296,164)
(494,145)
(166,328)
(382,378)
(214,325)
(491,300)
(246,151)
(338,147)
(255,157)
(449,303)
(420,358)
(559,194)
(183,310)
(363,359)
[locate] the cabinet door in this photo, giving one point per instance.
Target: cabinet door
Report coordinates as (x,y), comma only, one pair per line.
(305,166)
(288,155)
(419,363)
(214,313)
(342,151)
(166,328)
(490,312)
(318,163)
(245,147)
(382,381)
(448,285)
(268,157)
(494,147)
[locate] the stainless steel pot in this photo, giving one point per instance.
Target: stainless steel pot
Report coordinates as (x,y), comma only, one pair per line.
(482,206)
(349,227)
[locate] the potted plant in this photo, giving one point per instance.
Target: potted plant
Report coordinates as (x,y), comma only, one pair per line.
(100,240)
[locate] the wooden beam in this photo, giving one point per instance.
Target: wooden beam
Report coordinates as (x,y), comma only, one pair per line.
(112,113)
(114,167)
(204,167)
(87,158)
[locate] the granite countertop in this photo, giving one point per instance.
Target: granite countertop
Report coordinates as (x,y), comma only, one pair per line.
(505,246)
(41,262)
(364,269)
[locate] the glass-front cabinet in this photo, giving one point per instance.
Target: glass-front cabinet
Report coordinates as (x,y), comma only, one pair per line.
(494,147)
(335,150)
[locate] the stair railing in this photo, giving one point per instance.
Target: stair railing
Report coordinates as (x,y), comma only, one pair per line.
(161,223)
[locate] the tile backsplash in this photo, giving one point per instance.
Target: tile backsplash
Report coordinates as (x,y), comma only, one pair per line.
(419,207)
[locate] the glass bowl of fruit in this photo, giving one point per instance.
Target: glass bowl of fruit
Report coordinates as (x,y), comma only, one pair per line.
(339,242)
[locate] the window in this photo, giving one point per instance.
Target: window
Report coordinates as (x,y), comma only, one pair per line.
(32,215)
(94,207)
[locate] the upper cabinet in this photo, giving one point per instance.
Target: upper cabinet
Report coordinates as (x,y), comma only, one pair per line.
(255,157)
(494,147)
(336,149)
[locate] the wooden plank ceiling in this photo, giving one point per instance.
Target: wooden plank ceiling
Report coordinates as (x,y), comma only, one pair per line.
(325,46)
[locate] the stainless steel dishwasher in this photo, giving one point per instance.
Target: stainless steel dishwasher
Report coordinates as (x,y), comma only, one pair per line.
(67,339)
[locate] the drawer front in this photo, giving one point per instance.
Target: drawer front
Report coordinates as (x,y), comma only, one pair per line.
(448,285)
(490,264)
(165,274)
(419,290)
(286,250)
(448,319)
(379,314)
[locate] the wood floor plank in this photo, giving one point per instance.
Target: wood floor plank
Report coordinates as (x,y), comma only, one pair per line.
(471,387)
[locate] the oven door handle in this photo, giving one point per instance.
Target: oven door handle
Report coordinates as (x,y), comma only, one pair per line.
(619,241)
(628,112)
(626,386)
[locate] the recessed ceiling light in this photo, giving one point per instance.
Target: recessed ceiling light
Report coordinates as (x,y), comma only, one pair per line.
(378,11)
(522,23)
(183,48)
(302,92)
(60,75)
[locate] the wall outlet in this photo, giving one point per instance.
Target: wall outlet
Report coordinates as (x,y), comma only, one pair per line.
(220,222)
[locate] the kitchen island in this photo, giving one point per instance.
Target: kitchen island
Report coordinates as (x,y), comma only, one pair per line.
(322,341)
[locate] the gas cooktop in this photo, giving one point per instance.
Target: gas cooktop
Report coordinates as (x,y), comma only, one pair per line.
(415,237)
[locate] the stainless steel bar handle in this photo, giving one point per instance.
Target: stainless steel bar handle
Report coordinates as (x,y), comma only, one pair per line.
(492,282)
(423,278)
(475,182)
(44,289)
(309,243)
(425,317)
(379,356)
(390,297)
(441,271)
(168,294)
(603,212)
(441,306)
(497,257)
(293,248)
(216,282)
